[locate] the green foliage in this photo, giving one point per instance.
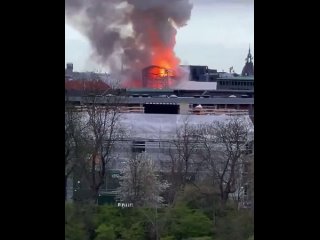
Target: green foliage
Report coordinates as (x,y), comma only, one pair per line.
(75,231)
(197,198)
(107,214)
(201,197)
(168,238)
(74,226)
(200,238)
(126,223)
(234,225)
(135,232)
(184,222)
(79,221)
(105,232)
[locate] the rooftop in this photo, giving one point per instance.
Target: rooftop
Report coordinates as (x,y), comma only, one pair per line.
(195,85)
(242,78)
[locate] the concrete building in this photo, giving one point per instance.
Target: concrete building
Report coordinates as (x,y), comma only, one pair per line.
(236,83)
(153,134)
(175,105)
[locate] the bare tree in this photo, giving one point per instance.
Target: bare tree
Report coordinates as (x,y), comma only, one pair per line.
(103,123)
(181,151)
(224,145)
(75,141)
(139,183)
(142,187)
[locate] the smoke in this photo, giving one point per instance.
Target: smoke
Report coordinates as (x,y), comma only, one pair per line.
(129,35)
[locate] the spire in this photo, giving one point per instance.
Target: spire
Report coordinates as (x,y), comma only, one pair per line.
(249,57)
(248,68)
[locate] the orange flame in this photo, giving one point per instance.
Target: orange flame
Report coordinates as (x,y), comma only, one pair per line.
(163,71)
(163,56)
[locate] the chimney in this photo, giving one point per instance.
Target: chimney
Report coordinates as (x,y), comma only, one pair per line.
(69,71)
(70,67)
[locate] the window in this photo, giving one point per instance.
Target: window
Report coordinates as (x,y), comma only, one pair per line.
(138,146)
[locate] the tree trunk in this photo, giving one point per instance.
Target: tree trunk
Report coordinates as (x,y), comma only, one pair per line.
(224,198)
(95,195)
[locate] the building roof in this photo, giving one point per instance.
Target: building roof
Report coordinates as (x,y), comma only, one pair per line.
(190,100)
(150,127)
(195,85)
(241,78)
(164,126)
(141,90)
(86,85)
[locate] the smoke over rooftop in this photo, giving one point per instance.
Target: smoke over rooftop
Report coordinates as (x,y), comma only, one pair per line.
(129,35)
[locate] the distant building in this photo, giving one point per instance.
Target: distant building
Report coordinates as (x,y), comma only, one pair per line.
(69,71)
(196,72)
(153,134)
(236,83)
(201,73)
(156,77)
(72,75)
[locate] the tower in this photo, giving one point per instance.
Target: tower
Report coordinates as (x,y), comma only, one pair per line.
(248,67)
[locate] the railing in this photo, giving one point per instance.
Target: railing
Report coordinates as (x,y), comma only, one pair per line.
(122,109)
(127,109)
(195,111)
(214,111)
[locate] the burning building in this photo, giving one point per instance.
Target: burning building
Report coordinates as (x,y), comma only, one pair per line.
(156,77)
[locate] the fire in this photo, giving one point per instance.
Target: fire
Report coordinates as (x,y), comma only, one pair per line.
(160,66)
(164,57)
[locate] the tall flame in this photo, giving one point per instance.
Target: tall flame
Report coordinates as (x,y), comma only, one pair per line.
(163,56)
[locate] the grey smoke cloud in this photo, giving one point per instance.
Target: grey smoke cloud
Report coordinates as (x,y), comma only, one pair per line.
(120,30)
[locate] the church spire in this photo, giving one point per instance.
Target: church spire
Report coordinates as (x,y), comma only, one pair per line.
(248,67)
(249,57)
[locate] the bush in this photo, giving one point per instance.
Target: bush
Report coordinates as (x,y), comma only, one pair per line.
(135,232)
(184,222)
(105,232)
(200,238)
(75,231)
(168,238)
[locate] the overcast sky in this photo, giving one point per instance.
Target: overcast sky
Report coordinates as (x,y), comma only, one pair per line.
(218,35)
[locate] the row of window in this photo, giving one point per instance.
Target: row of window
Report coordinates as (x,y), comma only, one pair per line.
(140,146)
(236,83)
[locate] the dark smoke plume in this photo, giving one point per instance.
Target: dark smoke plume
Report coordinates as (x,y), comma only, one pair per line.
(124,33)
